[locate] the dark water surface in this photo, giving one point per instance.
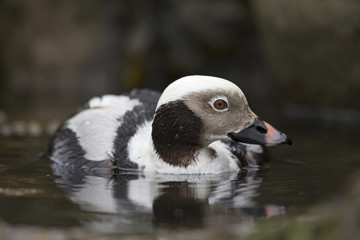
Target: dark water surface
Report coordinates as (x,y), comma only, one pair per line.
(33,192)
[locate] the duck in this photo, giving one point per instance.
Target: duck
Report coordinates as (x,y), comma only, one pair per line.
(198,125)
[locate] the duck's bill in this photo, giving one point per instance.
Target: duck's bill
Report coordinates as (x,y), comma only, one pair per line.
(260,132)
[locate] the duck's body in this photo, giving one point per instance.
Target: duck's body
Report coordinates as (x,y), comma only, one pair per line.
(181,131)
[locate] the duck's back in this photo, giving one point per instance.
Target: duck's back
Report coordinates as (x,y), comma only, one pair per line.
(100,131)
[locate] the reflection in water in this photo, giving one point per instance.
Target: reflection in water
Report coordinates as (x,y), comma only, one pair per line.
(162,199)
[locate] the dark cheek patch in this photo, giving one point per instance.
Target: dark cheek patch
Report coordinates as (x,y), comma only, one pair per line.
(176,134)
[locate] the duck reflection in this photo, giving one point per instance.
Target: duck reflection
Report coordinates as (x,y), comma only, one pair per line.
(164,199)
(178,205)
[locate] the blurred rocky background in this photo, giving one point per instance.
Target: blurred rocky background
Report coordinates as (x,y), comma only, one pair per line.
(297,60)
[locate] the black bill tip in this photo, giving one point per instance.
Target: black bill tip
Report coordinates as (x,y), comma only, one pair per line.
(288,141)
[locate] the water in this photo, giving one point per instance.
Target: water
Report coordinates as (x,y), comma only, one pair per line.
(35,193)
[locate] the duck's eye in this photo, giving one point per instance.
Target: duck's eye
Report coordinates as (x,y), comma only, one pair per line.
(220,104)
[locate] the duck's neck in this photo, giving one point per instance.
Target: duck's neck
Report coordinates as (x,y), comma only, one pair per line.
(176,134)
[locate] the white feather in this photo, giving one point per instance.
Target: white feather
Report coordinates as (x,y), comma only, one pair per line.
(96,126)
(142,152)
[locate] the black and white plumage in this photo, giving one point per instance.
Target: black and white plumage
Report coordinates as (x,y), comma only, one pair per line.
(195,126)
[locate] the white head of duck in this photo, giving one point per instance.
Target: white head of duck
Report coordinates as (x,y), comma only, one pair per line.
(196,116)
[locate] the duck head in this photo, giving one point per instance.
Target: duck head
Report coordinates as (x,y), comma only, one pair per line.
(195,111)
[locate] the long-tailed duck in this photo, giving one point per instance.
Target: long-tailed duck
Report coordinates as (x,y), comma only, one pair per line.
(198,125)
